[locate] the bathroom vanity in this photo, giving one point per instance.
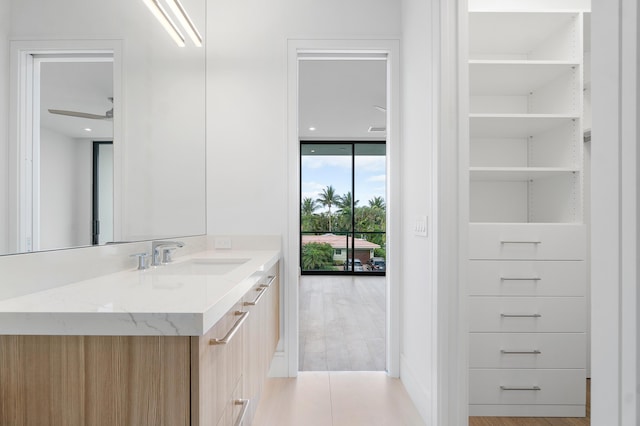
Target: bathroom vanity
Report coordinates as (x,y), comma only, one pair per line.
(188,343)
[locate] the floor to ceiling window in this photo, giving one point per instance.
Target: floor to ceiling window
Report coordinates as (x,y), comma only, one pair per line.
(342,210)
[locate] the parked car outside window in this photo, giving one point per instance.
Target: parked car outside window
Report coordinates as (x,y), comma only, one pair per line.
(357,265)
(377,264)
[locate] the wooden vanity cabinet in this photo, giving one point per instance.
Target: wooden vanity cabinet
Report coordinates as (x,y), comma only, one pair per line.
(217,370)
(262,333)
(142,380)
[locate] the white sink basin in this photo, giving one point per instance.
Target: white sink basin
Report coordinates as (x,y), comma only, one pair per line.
(202,266)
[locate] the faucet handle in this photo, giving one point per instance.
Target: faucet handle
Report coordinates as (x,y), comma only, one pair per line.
(142,260)
(166,254)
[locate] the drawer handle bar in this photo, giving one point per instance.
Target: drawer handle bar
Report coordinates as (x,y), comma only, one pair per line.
(533,352)
(520,278)
(245,406)
(261,291)
(519,242)
(518,388)
(227,338)
(520,315)
(271,279)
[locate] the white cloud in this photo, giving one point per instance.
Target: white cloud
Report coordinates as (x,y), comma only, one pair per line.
(371,163)
(319,161)
(377,178)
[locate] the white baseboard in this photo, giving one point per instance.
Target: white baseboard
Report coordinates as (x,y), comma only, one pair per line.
(278,365)
(415,389)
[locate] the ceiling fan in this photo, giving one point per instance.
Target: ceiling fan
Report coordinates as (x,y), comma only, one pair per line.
(108,115)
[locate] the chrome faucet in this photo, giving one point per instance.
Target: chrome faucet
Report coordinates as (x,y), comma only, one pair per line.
(161,251)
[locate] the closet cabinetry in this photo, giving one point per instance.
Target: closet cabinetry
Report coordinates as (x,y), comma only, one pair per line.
(527,285)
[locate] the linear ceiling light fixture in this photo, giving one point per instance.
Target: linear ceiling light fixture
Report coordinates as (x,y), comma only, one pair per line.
(185,21)
(161,15)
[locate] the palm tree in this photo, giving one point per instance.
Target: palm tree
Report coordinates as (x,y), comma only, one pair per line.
(377,203)
(309,220)
(327,199)
(309,206)
(346,206)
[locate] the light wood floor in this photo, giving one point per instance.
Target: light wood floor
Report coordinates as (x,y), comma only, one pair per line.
(336,399)
(536,421)
(342,323)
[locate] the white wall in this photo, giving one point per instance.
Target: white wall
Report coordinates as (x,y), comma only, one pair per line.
(4,131)
(247,94)
(65,184)
(418,292)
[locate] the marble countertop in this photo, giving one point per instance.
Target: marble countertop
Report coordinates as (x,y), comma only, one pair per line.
(184,298)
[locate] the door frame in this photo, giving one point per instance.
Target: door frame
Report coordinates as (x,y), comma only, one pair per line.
(342,48)
(24,128)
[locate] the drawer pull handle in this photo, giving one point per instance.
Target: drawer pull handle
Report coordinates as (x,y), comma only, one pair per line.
(520,242)
(271,279)
(520,279)
(261,291)
(533,352)
(227,338)
(520,315)
(245,406)
(519,388)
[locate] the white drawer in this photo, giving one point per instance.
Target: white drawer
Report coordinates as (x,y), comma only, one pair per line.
(527,278)
(527,314)
(508,386)
(527,241)
(527,350)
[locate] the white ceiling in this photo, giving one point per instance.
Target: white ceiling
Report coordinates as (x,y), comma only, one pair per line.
(337,97)
(77,86)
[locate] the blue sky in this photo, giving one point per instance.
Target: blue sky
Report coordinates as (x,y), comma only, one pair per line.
(318,172)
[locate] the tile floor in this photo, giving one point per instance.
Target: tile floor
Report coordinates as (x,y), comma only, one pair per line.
(336,399)
(342,323)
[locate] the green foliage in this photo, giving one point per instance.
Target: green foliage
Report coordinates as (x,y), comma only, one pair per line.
(327,199)
(380,252)
(317,256)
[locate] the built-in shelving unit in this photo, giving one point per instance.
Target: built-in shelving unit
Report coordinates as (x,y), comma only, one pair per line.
(525,80)
(527,239)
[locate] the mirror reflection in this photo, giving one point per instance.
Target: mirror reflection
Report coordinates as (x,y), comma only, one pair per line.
(105,119)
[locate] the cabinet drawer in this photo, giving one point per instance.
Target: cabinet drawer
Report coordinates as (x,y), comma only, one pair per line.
(527,350)
(527,278)
(218,369)
(527,241)
(527,314)
(556,387)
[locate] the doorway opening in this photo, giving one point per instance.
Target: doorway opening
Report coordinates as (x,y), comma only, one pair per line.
(343,293)
(63,100)
(102,194)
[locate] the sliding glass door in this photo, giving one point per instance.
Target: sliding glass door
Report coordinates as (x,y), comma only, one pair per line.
(342,207)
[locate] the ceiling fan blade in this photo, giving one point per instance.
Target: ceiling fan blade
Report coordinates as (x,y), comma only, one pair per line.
(79,114)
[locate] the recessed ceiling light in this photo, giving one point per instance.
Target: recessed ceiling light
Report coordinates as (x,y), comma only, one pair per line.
(313,150)
(313,129)
(87,129)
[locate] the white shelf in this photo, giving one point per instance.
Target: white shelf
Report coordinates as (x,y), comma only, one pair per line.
(517,174)
(515,125)
(509,78)
(518,35)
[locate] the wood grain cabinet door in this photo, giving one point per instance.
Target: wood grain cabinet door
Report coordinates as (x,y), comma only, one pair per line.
(94,380)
